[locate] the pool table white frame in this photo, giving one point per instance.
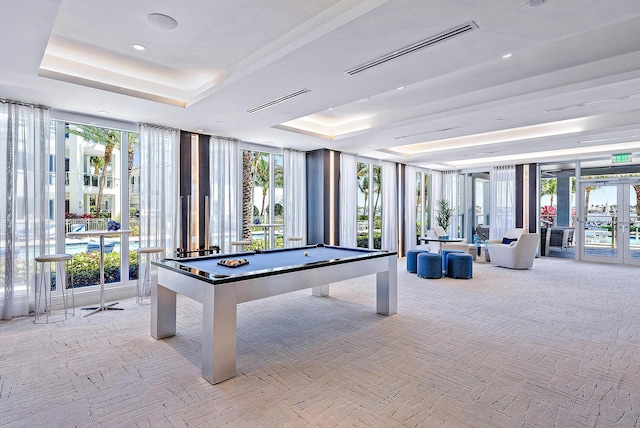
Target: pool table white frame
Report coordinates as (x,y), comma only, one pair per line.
(219,302)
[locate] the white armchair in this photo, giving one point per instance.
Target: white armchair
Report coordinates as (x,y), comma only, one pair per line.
(517,255)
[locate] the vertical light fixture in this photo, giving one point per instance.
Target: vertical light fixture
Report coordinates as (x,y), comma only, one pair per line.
(525,197)
(194,208)
(400,217)
(332,197)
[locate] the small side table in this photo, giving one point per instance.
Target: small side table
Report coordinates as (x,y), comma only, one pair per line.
(100,233)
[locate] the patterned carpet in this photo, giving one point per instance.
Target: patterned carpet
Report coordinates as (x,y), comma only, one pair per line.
(554,346)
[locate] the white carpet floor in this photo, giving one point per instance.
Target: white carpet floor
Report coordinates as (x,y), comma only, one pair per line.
(554,346)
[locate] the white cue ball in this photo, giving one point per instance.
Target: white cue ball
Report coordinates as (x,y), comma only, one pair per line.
(306,253)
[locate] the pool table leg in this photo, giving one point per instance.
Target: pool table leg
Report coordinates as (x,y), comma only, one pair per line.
(321,290)
(163,301)
(387,289)
(219,332)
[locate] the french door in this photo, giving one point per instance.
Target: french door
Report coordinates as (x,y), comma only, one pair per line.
(610,226)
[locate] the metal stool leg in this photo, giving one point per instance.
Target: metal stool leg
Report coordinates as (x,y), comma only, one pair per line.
(42,285)
(140,281)
(144,282)
(146,287)
(61,281)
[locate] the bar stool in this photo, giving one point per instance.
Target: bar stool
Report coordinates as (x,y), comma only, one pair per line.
(144,286)
(295,240)
(240,244)
(43,283)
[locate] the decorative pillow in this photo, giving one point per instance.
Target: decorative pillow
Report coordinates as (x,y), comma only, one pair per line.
(508,241)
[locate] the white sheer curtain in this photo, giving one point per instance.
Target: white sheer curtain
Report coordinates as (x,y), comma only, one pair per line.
(24,205)
(295,195)
(410,190)
(450,188)
(389,206)
(503,200)
(436,193)
(159,163)
(348,200)
(226,192)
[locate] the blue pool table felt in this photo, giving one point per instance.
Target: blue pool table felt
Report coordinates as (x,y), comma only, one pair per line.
(269,260)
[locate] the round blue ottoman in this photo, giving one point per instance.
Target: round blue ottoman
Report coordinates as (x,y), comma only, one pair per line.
(445,254)
(429,265)
(460,266)
(412,261)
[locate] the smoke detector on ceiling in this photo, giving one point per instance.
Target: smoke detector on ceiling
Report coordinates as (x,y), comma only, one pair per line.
(161,21)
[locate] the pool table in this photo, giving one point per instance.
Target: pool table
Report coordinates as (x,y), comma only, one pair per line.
(267,273)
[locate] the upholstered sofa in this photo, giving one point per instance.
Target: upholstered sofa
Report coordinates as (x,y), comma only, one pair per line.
(516,255)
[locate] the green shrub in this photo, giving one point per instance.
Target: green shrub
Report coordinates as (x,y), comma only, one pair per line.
(85,268)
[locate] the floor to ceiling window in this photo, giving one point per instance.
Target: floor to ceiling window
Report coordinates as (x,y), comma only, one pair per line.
(423,204)
(101,170)
(558,210)
(265,216)
(454,192)
(369,210)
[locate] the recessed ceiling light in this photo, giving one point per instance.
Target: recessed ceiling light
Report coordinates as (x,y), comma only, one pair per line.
(507,55)
(103,112)
(161,21)
(401,87)
(199,130)
(138,47)
(534,3)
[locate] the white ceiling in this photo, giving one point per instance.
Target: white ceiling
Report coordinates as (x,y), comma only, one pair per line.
(571,90)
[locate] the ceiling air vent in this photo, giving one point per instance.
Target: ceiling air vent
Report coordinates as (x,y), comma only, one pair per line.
(441,37)
(278,100)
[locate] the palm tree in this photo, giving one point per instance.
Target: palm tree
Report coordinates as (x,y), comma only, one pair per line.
(134,142)
(261,177)
(549,186)
(587,192)
(247,193)
(636,188)
(363,184)
(96,162)
(110,138)
(377,186)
